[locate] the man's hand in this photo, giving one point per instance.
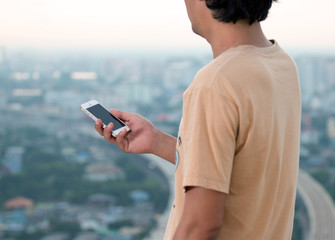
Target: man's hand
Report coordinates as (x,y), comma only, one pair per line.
(142,138)
(138,140)
(202,216)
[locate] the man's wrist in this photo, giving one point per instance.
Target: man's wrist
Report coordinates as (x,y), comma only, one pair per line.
(154,146)
(163,145)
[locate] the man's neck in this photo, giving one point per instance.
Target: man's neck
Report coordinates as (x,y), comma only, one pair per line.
(224,36)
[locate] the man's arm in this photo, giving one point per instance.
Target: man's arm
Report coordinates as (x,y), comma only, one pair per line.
(164,146)
(143,137)
(202,216)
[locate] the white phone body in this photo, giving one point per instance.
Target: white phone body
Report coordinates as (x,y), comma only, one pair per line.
(96,111)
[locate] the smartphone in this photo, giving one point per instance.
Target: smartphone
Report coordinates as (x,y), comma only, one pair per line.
(96,111)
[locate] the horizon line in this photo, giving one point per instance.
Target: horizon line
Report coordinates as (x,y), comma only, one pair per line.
(323,50)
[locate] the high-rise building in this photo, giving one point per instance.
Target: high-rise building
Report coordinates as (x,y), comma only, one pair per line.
(2,59)
(314,73)
(331,128)
(2,55)
(13,159)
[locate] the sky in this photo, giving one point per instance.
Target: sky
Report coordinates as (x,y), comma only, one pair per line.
(308,24)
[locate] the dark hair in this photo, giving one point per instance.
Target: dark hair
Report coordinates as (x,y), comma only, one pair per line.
(234,10)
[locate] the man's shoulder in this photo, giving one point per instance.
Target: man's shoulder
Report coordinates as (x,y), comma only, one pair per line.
(222,72)
(215,70)
(236,71)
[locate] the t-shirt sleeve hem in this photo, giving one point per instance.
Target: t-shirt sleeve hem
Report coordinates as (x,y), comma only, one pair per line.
(206,183)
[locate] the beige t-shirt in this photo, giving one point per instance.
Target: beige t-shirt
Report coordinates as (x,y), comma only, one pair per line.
(240,135)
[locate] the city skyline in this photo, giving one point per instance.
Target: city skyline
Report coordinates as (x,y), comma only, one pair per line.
(40,139)
(303,24)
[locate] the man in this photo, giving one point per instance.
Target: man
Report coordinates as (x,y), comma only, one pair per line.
(238,140)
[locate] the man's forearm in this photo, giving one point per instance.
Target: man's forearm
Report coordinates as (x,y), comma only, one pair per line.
(164,146)
(195,232)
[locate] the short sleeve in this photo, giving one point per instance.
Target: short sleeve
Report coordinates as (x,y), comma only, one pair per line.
(210,125)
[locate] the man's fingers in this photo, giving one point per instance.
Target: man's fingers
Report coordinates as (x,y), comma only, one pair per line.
(124,116)
(122,141)
(117,113)
(99,127)
(108,132)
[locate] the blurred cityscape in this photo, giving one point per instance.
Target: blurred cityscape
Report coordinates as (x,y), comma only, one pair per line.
(59,180)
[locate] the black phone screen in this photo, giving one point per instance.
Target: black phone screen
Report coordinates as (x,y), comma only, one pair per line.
(106,117)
